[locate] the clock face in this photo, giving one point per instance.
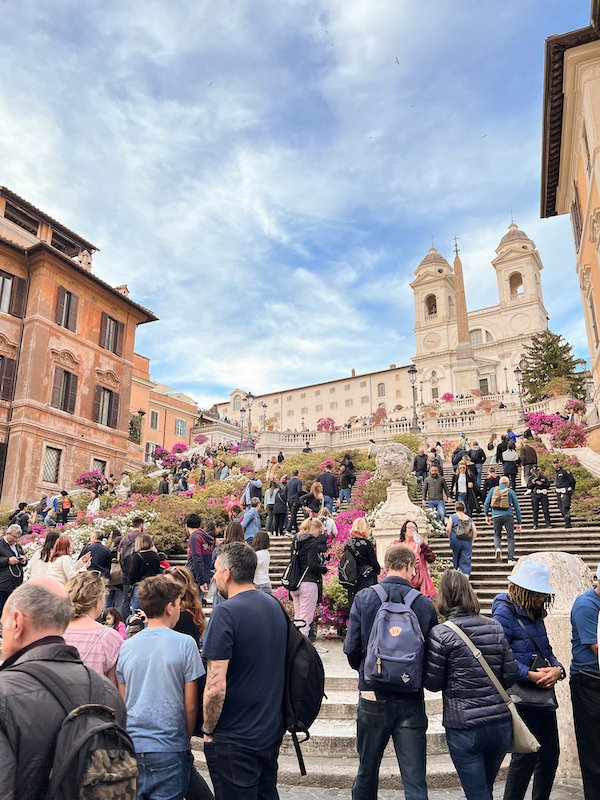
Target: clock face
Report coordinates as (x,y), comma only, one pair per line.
(432,340)
(519,323)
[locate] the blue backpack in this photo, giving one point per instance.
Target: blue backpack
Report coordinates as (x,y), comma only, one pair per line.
(396,648)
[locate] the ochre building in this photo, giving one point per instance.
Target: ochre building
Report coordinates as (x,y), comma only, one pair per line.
(66,358)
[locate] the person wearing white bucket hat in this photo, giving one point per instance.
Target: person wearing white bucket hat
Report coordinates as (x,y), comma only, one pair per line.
(585,686)
(521,612)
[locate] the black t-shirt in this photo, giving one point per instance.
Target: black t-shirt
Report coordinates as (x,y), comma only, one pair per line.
(250,631)
(186,624)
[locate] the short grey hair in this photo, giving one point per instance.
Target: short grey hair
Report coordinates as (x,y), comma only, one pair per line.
(255,502)
(44,609)
(15,529)
(240,559)
(504,481)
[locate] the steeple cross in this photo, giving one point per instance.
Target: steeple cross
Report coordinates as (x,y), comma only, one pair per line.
(456,250)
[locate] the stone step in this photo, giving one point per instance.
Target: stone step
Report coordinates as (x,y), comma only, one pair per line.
(340,704)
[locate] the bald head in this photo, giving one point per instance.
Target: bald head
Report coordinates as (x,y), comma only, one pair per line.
(38,608)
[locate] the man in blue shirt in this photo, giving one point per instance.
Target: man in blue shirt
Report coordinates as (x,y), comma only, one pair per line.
(585,687)
(245,649)
(157,674)
(503,502)
(251,520)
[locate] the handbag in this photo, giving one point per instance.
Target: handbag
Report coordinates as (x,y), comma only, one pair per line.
(523,740)
(529,694)
(116,573)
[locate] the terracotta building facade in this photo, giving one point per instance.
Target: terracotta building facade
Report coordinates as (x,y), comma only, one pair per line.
(67,357)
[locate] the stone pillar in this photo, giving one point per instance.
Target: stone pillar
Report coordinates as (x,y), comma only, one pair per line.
(570,577)
(395,461)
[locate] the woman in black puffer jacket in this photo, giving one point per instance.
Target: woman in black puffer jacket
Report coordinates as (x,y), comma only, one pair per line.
(477,721)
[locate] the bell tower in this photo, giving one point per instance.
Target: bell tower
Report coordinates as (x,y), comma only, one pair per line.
(435,303)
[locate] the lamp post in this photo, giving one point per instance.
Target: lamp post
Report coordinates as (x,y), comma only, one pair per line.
(518,374)
(264,410)
(506,379)
(242,418)
(303,426)
(249,400)
(421,388)
(412,374)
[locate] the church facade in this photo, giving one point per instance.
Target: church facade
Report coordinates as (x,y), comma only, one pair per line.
(455,350)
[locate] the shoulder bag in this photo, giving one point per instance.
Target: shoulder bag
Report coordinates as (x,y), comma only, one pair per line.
(523,740)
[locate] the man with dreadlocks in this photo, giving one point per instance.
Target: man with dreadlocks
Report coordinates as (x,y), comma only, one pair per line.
(521,612)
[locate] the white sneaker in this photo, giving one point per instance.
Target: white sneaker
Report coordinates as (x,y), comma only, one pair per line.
(511,562)
(498,554)
(320,649)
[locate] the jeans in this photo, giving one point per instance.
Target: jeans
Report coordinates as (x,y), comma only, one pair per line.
(439,506)
(585,696)
(477,753)
(421,475)
(462,551)
(270,525)
(328,503)
(135,603)
(405,721)
(479,468)
(114,597)
(542,765)
(163,776)
(242,773)
(345,495)
(506,521)
(279,524)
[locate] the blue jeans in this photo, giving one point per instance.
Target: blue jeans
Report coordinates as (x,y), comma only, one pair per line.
(114,598)
(345,495)
(163,775)
(328,503)
(135,603)
(421,475)
(477,754)
(439,506)
(507,521)
(462,551)
(405,721)
(242,773)
(479,468)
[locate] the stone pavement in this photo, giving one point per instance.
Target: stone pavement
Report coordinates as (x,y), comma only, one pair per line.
(563,790)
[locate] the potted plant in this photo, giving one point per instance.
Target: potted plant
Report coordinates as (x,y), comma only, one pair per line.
(557,387)
(447,397)
(270,422)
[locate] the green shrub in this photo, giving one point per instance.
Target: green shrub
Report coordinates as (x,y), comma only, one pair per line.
(5,512)
(82,500)
(411,440)
(307,464)
(142,483)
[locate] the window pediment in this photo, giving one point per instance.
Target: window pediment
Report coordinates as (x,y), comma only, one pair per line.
(65,358)
(108,378)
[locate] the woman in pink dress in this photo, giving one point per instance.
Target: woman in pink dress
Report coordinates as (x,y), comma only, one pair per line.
(410,537)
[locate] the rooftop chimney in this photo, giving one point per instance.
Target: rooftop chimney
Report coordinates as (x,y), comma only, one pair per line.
(393,366)
(123,289)
(353,372)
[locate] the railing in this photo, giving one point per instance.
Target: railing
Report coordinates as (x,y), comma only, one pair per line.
(481,311)
(517,298)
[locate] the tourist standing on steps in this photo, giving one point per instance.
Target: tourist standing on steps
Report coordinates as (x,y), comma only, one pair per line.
(502,446)
(388,710)
(504,508)
(510,464)
(435,492)
(478,457)
(251,520)
(565,483)
(12,562)
(199,552)
(410,538)
(493,479)
(293,493)
(366,560)
(528,458)
(420,464)
(521,612)
(331,487)
(308,594)
(462,532)
(539,486)
(585,686)
(476,719)
(314,500)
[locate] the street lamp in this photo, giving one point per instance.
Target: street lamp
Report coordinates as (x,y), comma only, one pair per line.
(242,418)
(412,375)
(506,379)
(249,400)
(518,375)
(264,409)
(421,388)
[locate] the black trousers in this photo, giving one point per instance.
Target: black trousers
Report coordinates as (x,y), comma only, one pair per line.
(293,521)
(242,773)
(564,505)
(538,500)
(542,765)
(585,696)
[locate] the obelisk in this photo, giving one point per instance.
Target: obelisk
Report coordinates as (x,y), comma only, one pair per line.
(466,374)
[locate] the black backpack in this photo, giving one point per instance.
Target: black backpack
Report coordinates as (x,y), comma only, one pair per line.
(126,556)
(293,575)
(94,757)
(304,687)
(349,570)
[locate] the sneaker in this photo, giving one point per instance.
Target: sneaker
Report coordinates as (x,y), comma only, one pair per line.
(498,554)
(511,562)
(320,649)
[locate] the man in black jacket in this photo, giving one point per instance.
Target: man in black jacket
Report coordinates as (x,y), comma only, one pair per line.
(12,563)
(539,486)
(101,555)
(492,480)
(330,485)
(33,622)
(293,493)
(392,711)
(565,483)
(420,464)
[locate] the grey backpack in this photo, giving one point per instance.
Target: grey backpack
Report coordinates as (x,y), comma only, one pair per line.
(396,648)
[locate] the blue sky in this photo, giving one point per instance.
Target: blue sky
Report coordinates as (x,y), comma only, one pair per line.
(267,175)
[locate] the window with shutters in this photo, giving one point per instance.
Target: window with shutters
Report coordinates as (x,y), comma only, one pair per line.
(99,465)
(12,294)
(106,407)
(51,468)
(381,390)
(6,282)
(111,334)
(576,218)
(348,402)
(180,427)
(333,405)
(319,407)
(64,390)
(364,399)
(8,369)
(154,420)
(66,309)
(21,218)
(150,448)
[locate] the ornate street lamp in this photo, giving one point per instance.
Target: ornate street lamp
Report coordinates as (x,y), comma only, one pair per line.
(249,400)
(412,374)
(518,375)
(421,388)
(506,379)
(264,415)
(242,418)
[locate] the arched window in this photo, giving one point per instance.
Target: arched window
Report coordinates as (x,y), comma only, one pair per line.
(381,390)
(237,402)
(515,283)
(479,336)
(431,305)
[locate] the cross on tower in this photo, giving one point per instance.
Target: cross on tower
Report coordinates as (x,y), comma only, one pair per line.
(456,250)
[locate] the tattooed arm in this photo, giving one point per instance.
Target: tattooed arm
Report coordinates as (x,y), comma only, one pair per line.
(214,693)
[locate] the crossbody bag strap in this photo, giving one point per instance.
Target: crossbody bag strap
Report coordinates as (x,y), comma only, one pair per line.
(479,656)
(530,637)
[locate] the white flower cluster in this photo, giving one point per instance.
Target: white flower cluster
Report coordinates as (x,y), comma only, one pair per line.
(435,526)
(370,517)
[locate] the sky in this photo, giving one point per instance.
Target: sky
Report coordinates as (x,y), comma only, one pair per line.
(266,175)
